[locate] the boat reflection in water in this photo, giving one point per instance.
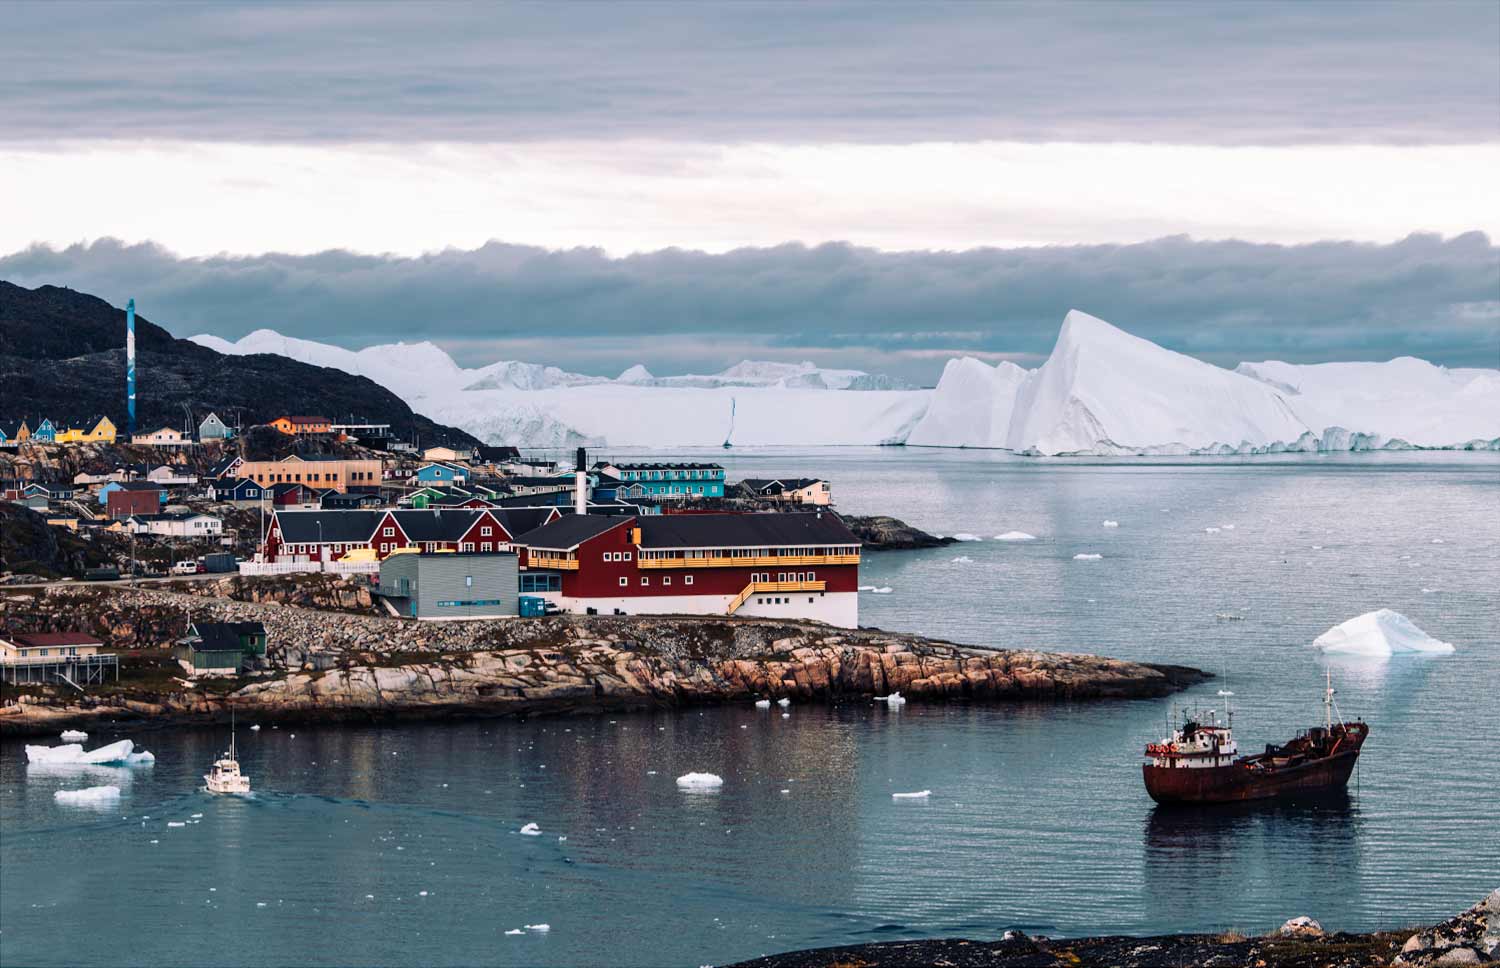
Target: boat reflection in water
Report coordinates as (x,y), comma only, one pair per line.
(1210,861)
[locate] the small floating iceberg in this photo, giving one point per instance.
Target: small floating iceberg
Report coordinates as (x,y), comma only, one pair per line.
(531,830)
(783,702)
(1378,633)
(700,781)
(1015,536)
(115,754)
(965,536)
(90,795)
(1087,557)
(540,928)
(876,590)
(919,795)
(762,704)
(1111,524)
(894,699)
(963,560)
(73,736)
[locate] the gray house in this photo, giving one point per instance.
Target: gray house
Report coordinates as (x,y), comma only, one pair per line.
(451,586)
(212,428)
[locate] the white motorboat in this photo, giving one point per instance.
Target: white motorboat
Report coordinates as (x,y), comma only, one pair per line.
(225,777)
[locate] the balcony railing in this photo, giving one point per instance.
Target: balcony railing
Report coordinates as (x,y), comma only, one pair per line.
(768,561)
(540,559)
(762,587)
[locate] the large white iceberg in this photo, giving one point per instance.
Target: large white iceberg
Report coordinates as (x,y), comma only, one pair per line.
(700,781)
(1382,632)
(115,754)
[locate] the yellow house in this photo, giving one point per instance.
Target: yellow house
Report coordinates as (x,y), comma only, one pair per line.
(102,433)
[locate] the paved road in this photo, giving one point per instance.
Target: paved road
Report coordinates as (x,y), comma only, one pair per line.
(117,581)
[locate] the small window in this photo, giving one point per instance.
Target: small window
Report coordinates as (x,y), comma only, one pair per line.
(624,581)
(645,581)
(666,579)
(485,532)
(388,532)
(608,556)
(627,556)
(687,580)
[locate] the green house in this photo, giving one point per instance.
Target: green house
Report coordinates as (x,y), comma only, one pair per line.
(220,648)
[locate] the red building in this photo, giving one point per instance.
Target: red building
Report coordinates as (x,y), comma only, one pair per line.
(330,535)
(131,498)
(795,565)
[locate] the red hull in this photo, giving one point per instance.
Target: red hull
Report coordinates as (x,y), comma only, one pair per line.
(1230,784)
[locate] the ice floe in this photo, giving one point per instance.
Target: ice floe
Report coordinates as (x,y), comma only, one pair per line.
(89,795)
(1086,556)
(1015,536)
(700,781)
(894,699)
(176,823)
(1111,524)
(531,830)
(918,795)
(540,928)
(114,754)
(1210,530)
(73,736)
(255,728)
(515,931)
(1378,633)
(762,704)
(963,560)
(965,536)
(783,702)
(876,590)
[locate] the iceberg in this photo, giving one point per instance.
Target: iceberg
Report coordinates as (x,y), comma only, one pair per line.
(89,795)
(783,702)
(115,754)
(530,830)
(919,795)
(700,781)
(540,928)
(73,736)
(963,560)
(1085,556)
(762,704)
(894,699)
(1015,536)
(1111,524)
(1379,633)
(966,536)
(513,931)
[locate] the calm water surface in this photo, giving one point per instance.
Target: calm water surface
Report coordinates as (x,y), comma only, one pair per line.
(1037,817)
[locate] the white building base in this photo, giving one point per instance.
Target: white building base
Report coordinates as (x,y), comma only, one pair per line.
(835,608)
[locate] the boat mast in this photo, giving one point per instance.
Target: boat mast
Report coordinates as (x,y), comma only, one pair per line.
(1328,698)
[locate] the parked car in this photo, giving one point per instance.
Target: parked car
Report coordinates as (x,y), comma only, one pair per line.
(186,568)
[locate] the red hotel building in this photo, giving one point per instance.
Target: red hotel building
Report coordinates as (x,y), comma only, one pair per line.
(794,565)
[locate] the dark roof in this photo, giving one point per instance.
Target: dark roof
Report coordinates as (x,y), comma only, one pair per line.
(555,481)
(744,530)
(497,453)
(570,531)
(437,524)
(779,483)
(518,521)
(339,527)
(215,637)
(49,639)
(222,465)
(247,628)
(306,420)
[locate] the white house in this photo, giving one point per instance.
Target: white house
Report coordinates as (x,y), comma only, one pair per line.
(180,525)
(160,437)
(166,474)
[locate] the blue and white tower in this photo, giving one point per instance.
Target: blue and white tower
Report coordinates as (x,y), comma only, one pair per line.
(130,367)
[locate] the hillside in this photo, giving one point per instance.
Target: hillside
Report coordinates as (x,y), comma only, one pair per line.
(63,356)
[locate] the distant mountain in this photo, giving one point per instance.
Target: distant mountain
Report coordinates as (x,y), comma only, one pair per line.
(62,355)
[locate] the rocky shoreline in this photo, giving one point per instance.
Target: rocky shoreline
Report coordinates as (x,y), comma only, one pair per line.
(326,666)
(1471,938)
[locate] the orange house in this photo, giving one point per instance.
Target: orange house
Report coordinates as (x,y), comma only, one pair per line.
(292,426)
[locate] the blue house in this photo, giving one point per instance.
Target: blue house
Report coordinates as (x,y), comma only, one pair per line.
(235,489)
(664,480)
(212,428)
(48,490)
(45,433)
(441,474)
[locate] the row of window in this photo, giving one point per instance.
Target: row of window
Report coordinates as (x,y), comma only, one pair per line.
(672,475)
(619,555)
(752,552)
(765,576)
(540,583)
(665,580)
(774,600)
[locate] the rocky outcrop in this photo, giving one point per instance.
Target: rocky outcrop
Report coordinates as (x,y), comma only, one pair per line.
(1297,944)
(883,533)
(328,666)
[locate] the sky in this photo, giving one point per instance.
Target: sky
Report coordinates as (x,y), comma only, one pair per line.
(684,185)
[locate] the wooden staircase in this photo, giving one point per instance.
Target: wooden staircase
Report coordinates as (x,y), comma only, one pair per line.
(757,587)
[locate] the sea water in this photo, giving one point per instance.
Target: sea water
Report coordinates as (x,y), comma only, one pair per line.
(402,845)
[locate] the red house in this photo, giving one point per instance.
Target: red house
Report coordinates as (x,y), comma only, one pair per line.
(130,498)
(803,565)
(330,535)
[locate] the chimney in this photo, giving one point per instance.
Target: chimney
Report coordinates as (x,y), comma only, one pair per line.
(581,484)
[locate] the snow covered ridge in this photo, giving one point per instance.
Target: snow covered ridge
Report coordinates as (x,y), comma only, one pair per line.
(1103,391)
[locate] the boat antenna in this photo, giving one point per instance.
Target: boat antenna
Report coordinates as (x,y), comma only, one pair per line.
(1227,695)
(1328,698)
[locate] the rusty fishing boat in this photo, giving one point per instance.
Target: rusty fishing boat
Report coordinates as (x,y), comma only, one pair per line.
(1198,761)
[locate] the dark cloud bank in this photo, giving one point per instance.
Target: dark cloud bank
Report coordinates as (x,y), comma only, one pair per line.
(1202,72)
(901,312)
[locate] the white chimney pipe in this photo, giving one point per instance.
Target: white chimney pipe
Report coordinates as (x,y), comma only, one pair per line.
(581,485)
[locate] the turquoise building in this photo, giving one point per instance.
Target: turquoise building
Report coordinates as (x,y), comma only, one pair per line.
(666,480)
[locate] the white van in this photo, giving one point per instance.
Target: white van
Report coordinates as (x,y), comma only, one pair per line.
(188,567)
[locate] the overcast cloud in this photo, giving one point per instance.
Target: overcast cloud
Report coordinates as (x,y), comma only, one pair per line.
(897,312)
(1214,73)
